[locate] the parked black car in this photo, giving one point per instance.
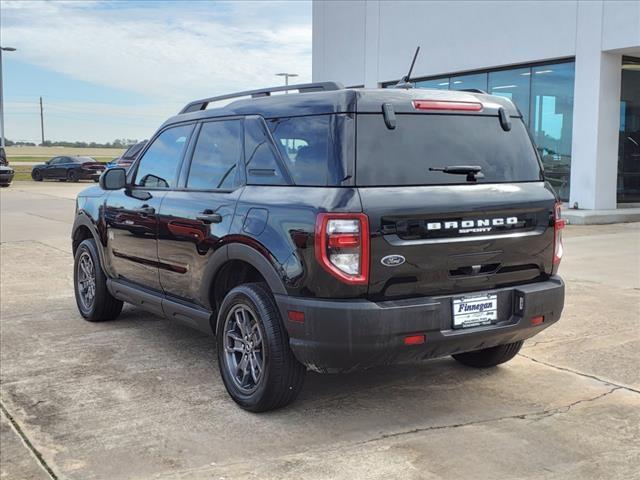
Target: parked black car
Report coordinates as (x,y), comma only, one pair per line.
(332,230)
(70,169)
(3,157)
(6,175)
(127,158)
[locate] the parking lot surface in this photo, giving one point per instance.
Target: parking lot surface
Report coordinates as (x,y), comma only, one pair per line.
(140,397)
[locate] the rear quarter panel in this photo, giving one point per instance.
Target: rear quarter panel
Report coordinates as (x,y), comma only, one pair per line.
(282,220)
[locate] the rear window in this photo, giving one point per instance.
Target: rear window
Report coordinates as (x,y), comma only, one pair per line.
(404,155)
(314,147)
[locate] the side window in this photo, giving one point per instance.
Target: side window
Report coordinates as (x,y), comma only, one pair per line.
(216,156)
(304,143)
(158,167)
(262,166)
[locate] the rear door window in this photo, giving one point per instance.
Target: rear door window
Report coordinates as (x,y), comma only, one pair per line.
(216,156)
(403,156)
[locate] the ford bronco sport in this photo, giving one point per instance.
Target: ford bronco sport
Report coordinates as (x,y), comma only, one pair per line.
(330,229)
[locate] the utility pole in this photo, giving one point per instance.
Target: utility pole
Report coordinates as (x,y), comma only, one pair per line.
(2,49)
(41,121)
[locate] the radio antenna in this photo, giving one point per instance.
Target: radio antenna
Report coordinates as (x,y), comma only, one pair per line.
(406,80)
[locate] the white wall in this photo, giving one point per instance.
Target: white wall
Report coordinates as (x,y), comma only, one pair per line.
(453,36)
(458,36)
(621,26)
(372,41)
(596,115)
(338,41)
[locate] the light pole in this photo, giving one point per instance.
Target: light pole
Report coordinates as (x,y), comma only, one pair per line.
(286,77)
(2,49)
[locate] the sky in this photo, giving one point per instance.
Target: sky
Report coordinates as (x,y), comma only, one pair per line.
(116,69)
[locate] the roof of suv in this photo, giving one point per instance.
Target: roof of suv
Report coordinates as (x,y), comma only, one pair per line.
(335,100)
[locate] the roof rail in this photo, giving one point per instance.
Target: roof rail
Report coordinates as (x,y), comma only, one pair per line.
(263,92)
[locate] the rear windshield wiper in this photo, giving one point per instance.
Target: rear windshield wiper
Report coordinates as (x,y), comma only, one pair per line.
(473,172)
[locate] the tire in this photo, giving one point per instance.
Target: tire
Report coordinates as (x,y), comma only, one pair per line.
(36,175)
(103,306)
(72,176)
(281,376)
(489,357)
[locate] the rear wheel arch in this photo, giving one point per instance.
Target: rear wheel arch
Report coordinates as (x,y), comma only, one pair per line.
(232,265)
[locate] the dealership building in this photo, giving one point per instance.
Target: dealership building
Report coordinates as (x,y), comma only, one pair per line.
(571,67)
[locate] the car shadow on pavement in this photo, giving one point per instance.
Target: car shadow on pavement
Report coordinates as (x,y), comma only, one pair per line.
(406,385)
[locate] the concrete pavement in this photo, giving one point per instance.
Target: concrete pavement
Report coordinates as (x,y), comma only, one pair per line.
(140,397)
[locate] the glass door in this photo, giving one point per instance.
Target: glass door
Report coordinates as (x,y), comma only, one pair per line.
(629,147)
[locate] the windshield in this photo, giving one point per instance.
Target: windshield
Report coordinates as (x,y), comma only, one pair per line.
(404,155)
(133,151)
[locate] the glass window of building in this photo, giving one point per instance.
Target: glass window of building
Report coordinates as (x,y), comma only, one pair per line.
(463,82)
(435,83)
(629,148)
(514,85)
(544,95)
(551,121)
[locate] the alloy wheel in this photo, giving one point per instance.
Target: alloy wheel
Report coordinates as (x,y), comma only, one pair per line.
(243,348)
(86,280)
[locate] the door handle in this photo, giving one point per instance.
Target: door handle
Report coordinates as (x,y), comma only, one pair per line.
(145,210)
(209,216)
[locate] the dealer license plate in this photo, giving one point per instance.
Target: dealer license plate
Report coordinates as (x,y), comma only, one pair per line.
(474,311)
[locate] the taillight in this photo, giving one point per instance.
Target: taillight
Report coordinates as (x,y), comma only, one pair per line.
(558,225)
(342,246)
(446,105)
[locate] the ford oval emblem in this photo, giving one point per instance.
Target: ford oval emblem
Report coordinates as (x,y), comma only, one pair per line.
(392,260)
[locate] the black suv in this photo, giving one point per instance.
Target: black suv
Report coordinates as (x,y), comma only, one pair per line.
(330,229)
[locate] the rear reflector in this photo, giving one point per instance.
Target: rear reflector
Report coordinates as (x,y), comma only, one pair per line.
(296,316)
(446,105)
(415,339)
(537,320)
(344,240)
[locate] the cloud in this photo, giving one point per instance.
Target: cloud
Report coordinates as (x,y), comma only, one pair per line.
(164,51)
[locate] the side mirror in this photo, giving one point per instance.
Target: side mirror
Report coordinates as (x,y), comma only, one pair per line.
(113,179)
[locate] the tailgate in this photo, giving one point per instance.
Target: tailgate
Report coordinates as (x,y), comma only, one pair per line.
(432,240)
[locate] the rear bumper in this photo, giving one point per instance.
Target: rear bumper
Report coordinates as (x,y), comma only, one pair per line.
(342,335)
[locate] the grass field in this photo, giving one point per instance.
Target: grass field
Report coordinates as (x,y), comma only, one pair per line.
(17,155)
(40,152)
(18,159)
(23,172)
